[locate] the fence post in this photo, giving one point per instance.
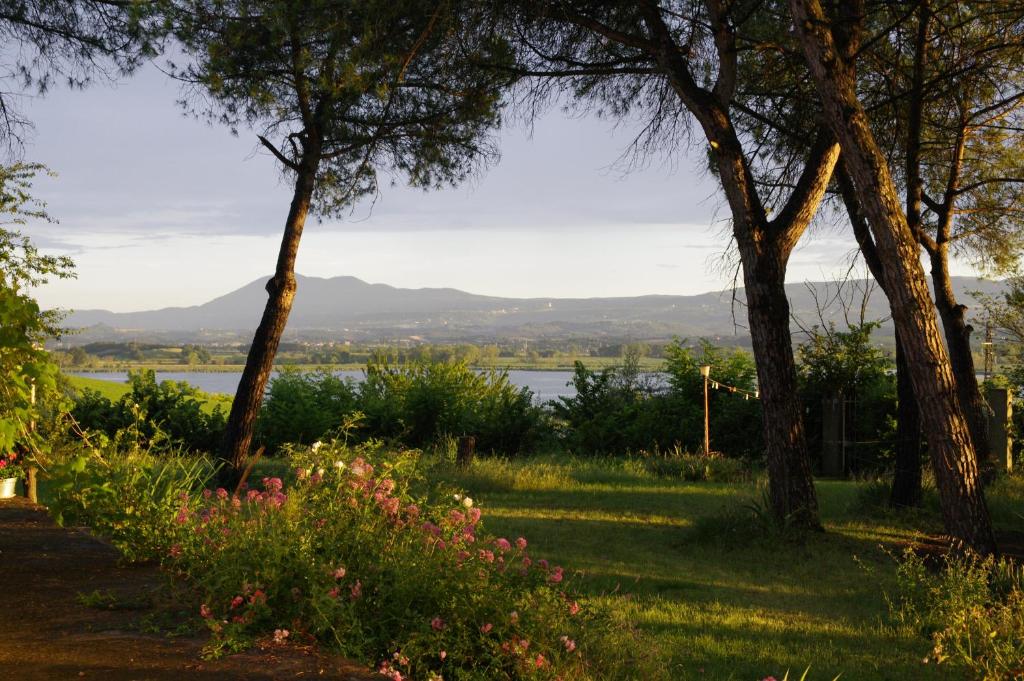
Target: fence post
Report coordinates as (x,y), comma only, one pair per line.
(999,440)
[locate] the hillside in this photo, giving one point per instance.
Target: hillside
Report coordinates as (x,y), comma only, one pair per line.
(349,308)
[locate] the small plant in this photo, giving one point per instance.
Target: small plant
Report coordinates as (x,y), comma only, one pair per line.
(11,466)
(971,610)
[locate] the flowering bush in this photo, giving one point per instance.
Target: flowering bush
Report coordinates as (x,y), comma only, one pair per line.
(11,466)
(349,555)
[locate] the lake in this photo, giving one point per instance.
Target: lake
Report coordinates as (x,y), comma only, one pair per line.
(545,385)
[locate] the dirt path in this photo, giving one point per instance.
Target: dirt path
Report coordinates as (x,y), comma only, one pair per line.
(47,634)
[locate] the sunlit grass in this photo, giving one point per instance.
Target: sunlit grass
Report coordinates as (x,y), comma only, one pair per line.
(712,592)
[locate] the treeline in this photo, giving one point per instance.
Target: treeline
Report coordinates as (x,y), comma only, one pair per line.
(618,410)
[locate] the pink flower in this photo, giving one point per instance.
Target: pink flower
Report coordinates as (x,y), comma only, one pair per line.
(205,612)
(543,564)
(443,654)
(461,556)
(540,661)
(273,484)
(513,617)
(222,493)
(556,576)
(175,551)
(339,573)
(356,591)
(437,624)
(456,517)
(521,543)
(574,608)
(207,493)
(570,645)
(236,601)
(486,556)
(412,510)
(503,544)
(333,592)
(486,629)
(474,515)
(281,635)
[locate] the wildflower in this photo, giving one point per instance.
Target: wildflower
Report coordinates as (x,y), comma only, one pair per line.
(273,484)
(456,517)
(437,624)
(339,573)
(461,556)
(457,497)
(356,591)
(556,576)
(467,502)
(486,556)
(333,592)
(340,465)
(281,635)
(207,493)
(486,629)
(316,477)
(474,515)
(222,493)
(236,601)
(502,544)
(521,543)
(387,485)
(570,645)
(412,510)
(513,617)
(401,659)
(540,661)
(205,612)
(315,446)
(258,597)
(543,564)
(574,608)
(175,551)
(443,654)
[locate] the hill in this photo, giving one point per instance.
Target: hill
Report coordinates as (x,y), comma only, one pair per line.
(348,308)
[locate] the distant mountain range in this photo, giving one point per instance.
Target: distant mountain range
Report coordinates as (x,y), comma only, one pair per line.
(346,308)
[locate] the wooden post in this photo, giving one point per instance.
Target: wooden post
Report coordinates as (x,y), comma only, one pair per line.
(464,455)
(30,482)
(705,371)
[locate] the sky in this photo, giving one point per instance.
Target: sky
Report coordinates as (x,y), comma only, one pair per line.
(159,209)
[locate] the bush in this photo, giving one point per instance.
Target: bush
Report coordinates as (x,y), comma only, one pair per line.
(695,467)
(423,403)
(303,407)
(352,556)
(971,610)
(163,416)
(130,498)
(620,409)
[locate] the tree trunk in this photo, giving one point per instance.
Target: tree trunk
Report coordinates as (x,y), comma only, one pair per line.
(953,459)
(241,422)
(790,484)
(958,340)
(906,480)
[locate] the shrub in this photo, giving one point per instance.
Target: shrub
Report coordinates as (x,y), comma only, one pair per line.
(166,415)
(422,403)
(131,498)
(695,467)
(350,555)
(621,409)
(971,610)
(303,407)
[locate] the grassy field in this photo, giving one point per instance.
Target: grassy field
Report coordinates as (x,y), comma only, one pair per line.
(716,593)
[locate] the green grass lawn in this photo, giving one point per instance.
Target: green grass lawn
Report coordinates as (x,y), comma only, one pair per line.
(714,592)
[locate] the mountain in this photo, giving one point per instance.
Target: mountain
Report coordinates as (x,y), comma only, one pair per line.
(349,308)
